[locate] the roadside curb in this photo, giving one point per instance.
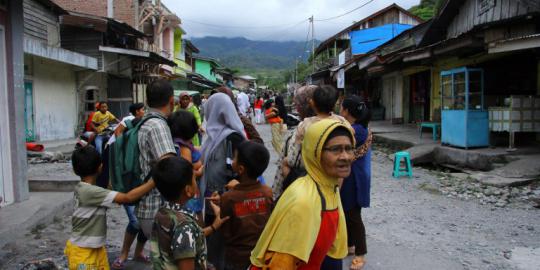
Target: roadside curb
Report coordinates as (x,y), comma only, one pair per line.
(40,210)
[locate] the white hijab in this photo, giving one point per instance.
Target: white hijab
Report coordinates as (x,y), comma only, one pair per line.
(221,121)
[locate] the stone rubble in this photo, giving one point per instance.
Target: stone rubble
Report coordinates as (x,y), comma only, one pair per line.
(462,186)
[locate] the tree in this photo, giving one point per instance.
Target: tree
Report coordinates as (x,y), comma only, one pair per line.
(427,8)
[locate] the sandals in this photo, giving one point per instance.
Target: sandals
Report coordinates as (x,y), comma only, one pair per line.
(118,264)
(358,263)
(144,259)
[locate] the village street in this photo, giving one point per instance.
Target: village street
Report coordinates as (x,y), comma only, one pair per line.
(409,226)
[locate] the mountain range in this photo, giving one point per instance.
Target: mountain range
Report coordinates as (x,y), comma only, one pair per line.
(244,54)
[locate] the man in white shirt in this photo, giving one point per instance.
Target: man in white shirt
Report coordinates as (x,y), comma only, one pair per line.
(242,100)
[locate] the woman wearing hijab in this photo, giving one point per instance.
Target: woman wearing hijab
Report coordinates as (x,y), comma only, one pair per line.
(224,132)
(251,133)
(186,103)
(356,188)
(308,223)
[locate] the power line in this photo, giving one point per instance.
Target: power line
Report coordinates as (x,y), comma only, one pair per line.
(346,13)
(283,30)
(242,27)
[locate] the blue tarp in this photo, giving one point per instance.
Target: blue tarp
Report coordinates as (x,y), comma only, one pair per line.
(363,41)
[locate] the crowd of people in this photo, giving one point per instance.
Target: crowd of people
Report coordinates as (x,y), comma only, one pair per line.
(201,198)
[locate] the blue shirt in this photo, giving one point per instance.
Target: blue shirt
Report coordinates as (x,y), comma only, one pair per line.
(356,188)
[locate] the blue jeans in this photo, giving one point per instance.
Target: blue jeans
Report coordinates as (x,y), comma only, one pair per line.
(133,226)
(99,142)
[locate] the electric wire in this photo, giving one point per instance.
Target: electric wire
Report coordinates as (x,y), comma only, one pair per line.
(282,31)
(346,13)
(243,27)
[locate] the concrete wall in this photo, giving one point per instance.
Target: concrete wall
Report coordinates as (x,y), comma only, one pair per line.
(13,164)
(55,100)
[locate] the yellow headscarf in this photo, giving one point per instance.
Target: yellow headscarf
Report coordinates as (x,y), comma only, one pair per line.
(294,224)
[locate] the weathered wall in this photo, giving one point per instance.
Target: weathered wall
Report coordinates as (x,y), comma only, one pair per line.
(471,14)
(55,105)
(41,23)
(124,10)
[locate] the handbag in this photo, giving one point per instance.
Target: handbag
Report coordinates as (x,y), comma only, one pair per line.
(295,173)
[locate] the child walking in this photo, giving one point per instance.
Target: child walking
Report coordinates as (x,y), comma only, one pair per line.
(248,205)
(178,242)
(85,249)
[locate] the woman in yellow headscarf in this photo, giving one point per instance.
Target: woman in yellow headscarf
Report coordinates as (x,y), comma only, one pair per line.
(308,221)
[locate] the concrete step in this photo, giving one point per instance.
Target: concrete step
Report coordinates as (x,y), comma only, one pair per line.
(52,177)
(55,185)
(38,211)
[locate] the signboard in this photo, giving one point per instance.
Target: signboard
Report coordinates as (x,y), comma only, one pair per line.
(341,78)
(485,5)
(341,58)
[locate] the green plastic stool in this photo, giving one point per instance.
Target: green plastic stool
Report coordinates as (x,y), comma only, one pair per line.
(397,165)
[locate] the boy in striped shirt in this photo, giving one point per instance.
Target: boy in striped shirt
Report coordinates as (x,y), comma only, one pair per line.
(85,249)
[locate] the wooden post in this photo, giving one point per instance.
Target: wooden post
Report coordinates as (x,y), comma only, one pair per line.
(538,90)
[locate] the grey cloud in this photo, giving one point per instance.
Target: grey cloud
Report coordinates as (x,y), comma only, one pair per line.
(253,13)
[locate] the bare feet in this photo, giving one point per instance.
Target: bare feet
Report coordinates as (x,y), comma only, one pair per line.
(358,263)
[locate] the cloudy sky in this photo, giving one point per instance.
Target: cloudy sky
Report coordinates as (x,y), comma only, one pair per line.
(272,19)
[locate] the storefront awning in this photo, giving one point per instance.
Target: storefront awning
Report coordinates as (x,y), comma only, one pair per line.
(515,44)
(137,53)
(38,48)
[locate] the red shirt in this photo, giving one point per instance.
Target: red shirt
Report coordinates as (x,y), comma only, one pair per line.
(88,127)
(258,104)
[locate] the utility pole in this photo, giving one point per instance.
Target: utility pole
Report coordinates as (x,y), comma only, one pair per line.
(312,21)
(296,71)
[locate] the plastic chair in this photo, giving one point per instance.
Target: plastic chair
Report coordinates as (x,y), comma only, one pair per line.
(398,171)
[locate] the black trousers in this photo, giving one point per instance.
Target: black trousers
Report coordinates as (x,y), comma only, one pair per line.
(356,232)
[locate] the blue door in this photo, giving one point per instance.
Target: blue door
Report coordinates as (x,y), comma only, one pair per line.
(29,111)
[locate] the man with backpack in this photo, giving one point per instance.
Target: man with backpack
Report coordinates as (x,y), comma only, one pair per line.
(142,144)
(155,143)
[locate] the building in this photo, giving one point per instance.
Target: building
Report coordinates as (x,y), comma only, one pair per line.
(207,67)
(127,11)
(245,82)
(126,64)
(50,73)
(225,76)
(339,51)
(473,58)
(13,181)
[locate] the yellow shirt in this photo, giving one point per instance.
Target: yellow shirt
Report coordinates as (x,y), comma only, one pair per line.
(101,120)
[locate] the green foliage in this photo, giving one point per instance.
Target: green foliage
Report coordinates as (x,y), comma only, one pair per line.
(271,62)
(427,8)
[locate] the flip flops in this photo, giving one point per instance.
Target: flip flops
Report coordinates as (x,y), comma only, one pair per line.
(144,259)
(118,264)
